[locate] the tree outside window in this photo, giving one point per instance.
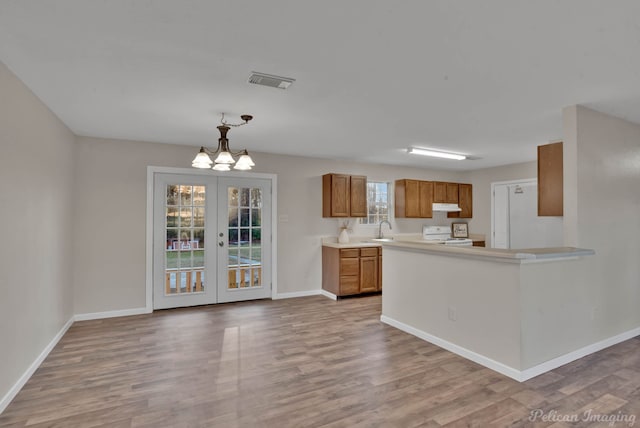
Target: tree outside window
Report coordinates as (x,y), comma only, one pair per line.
(377,202)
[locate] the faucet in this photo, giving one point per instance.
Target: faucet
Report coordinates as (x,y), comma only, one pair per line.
(380,234)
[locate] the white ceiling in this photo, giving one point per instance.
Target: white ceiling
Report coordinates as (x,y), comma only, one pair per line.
(484,78)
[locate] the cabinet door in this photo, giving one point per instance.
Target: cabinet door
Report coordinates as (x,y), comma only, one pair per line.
(426,199)
(349,285)
(412,198)
(550,180)
(335,195)
(439,192)
(452,193)
(465,201)
(358,200)
(349,267)
(379,269)
(368,274)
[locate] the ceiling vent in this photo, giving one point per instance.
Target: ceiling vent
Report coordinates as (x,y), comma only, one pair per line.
(270,80)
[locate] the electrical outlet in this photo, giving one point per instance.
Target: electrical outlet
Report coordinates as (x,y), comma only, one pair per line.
(595,312)
(452,313)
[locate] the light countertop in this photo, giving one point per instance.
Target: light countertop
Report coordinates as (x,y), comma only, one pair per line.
(496,254)
(354,242)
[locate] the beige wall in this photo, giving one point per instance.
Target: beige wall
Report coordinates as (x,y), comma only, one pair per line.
(36,178)
(602,206)
(481,180)
(484,294)
(110,190)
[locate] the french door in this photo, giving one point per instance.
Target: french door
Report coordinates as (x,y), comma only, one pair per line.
(211,239)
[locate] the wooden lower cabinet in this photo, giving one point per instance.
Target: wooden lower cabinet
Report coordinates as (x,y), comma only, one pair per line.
(368,270)
(349,271)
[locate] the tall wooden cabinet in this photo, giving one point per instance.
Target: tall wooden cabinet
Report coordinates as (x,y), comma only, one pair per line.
(465,201)
(407,198)
(344,195)
(425,199)
(348,271)
(550,180)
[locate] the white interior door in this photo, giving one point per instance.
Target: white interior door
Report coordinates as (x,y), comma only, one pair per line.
(516,223)
(211,239)
(527,229)
(244,239)
(500,217)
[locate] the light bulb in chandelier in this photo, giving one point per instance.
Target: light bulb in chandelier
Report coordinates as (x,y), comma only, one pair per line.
(202,160)
(244,162)
(222,167)
(225,158)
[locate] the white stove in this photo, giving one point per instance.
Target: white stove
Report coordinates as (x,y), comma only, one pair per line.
(442,235)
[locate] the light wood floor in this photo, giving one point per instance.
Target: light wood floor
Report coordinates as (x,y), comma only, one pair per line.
(306,362)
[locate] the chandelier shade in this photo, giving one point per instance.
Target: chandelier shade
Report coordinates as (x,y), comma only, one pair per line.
(224,157)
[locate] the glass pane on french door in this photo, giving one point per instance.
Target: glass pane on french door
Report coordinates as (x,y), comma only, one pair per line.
(245,237)
(184,236)
(245,215)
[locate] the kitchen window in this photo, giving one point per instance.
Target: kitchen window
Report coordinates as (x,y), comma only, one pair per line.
(378,202)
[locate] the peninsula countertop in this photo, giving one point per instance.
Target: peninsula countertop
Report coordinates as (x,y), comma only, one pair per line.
(501,255)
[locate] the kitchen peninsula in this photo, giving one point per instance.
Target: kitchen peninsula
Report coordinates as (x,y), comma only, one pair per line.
(519,312)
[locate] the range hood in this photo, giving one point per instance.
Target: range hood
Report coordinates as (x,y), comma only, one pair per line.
(446,207)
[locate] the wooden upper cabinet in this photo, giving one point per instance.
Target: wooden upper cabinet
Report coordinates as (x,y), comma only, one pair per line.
(344,195)
(465,202)
(414,198)
(358,202)
(439,192)
(550,181)
(407,198)
(336,195)
(452,193)
(425,188)
(445,192)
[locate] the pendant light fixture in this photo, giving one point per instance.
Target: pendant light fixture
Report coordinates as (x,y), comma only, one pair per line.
(225,157)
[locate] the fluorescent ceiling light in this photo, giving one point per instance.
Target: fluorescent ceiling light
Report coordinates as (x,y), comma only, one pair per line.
(435,154)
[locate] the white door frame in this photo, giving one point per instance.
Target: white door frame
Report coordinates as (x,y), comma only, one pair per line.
(493,200)
(152,170)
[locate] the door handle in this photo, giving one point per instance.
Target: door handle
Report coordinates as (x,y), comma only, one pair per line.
(221,244)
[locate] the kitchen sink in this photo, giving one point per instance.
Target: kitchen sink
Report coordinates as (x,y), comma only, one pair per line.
(382,239)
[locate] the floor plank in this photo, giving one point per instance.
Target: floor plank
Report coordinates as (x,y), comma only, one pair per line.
(306,362)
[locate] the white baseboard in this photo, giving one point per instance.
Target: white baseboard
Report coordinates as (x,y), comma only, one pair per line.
(10,395)
(518,375)
(577,354)
(456,349)
(296,294)
(111,314)
(325,293)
